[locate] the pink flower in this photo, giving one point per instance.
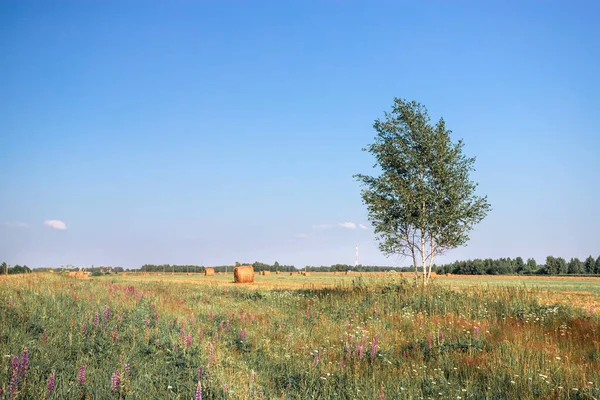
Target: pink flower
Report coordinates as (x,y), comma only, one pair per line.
(81,375)
(115,381)
(50,386)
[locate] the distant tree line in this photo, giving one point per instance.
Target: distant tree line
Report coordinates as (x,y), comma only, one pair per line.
(348,267)
(258,266)
(17,269)
(172,268)
(508,266)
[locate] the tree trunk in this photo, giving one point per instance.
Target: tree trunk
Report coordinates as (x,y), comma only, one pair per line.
(423,260)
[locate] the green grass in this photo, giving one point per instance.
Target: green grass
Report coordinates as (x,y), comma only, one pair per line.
(542,283)
(326,337)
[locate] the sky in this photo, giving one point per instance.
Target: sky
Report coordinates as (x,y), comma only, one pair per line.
(210,132)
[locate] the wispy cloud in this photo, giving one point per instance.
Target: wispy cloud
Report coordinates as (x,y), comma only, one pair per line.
(361,226)
(17,224)
(323,226)
(347,225)
(302,236)
(56,224)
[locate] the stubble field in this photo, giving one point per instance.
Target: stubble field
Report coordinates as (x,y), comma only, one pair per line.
(297,337)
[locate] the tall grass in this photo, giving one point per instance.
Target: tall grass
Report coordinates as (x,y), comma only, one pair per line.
(368,340)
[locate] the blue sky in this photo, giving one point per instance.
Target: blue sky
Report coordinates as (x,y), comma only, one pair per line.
(211,132)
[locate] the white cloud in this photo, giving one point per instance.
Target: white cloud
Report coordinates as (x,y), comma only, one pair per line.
(17,224)
(56,224)
(302,236)
(363,226)
(347,225)
(322,226)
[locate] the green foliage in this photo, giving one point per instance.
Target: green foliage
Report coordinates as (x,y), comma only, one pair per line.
(590,267)
(575,266)
(424,202)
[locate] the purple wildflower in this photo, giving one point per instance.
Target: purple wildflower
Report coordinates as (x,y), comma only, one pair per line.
(10,302)
(50,386)
(106,313)
(476,329)
(115,381)
(115,334)
(188,341)
(441,336)
(14,378)
(83,328)
(243,334)
(225,388)
(127,370)
(199,373)
(374,348)
(24,362)
(147,321)
(81,375)
(96,318)
(199,392)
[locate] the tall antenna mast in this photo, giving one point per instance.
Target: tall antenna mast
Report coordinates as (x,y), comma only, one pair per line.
(356,261)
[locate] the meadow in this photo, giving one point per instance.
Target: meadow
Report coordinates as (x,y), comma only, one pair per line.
(322,336)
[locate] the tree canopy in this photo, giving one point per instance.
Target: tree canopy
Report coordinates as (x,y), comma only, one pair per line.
(423,202)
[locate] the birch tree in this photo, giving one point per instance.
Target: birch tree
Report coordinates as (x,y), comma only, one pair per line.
(423,203)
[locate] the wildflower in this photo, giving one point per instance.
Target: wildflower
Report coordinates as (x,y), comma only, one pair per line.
(127,369)
(199,392)
(476,329)
(211,353)
(374,348)
(106,313)
(441,336)
(115,381)
(83,328)
(243,334)
(115,334)
(81,375)
(96,318)
(225,388)
(14,378)
(147,321)
(44,337)
(50,386)
(188,341)
(10,302)
(24,362)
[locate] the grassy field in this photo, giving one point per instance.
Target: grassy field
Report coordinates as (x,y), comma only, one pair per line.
(294,337)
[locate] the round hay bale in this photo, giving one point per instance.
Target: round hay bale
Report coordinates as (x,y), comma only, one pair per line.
(209,272)
(243,274)
(265,272)
(306,274)
(276,272)
(292,273)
